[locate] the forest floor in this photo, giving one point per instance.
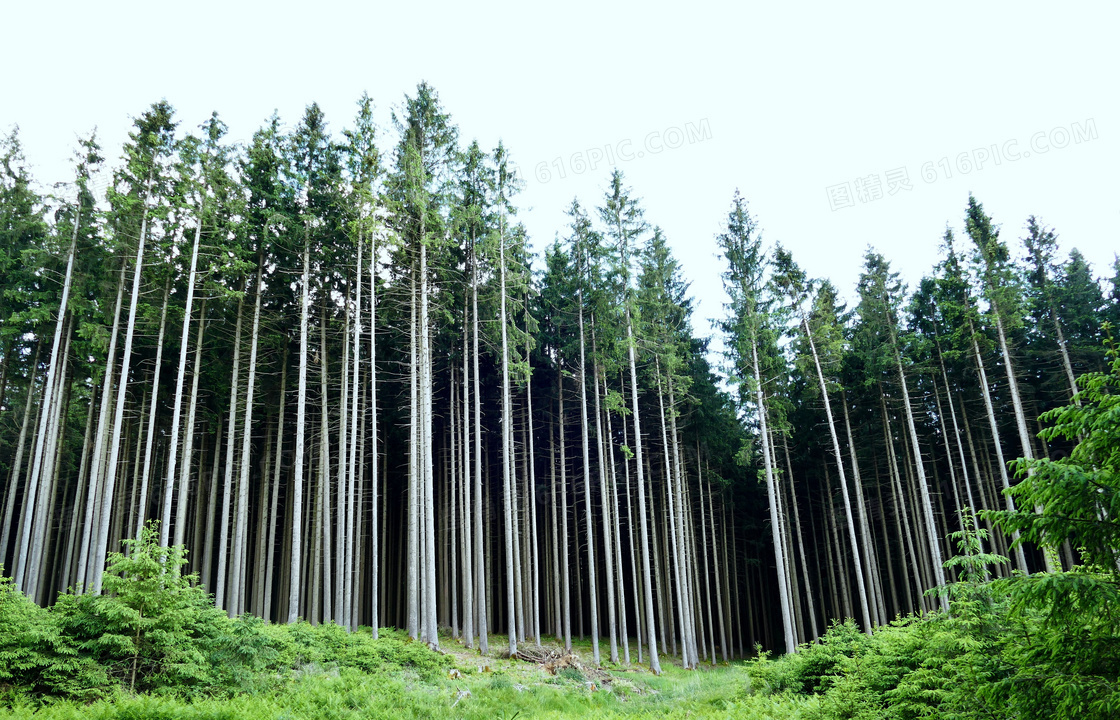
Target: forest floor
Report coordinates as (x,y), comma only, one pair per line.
(492,686)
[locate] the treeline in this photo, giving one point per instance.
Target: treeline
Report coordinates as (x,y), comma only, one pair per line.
(324,364)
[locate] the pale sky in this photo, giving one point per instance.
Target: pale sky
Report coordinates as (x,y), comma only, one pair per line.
(787,103)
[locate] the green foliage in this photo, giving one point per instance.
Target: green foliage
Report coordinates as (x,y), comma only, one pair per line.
(35,657)
(1069,650)
(155,630)
(153,626)
(1078,496)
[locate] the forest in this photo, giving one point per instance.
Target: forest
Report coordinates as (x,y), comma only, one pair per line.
(316,396)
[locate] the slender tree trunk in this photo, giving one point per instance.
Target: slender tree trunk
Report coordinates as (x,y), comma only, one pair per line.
(567,605)
(684,525)
(237,598)
(324,509)
(145,471)
(923,485)
(273,517)
(800,538)
(643,522)
(555,544)
(620,590)
(707,566)
(675,517)
(507,463)
(211,505)
(479,528)
(604,494)
(13,476)
(45,502)
(1020,556)
(637,583)
(114,452)
(79,499)
(414,481)
(1063,347)
(1048,556)
(467,512)
(220,598)
(355,457)
(301,420)
(723,634)
(429,491)
(24,573)
(178,404)
(188,443)
(85,554)
(901,514)
(591,579)
(529,459)
(375,573)
(872,566)
(775,524)
(864,606)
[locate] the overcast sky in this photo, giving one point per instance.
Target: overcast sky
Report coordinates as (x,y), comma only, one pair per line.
(843,125)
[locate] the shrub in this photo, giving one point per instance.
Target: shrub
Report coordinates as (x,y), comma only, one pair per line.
(36,658)
(153,626)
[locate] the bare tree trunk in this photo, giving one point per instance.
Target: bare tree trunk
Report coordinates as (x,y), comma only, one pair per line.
(85,558)
(145,472)
(707,566)
(301,419)
(220,599)
(237,597)
(567,606)
(430,623)
(865,609)
(114,451)
(355,457)
(874,588)
(375,557)
(1048,555)
(684,525)
(587,490)
(188,443)
(1020,556)
(273,518)
(529,457)
(675,517)
(604,494)
(479,528)
(23,574)
(800,538)
(414,481)
(723,634)
(45,503)
(180,377)
(327,597)
(555,544)
(13,476)
(620,590)
(901,513)
(637,583)
(83,467)
(771,491)
(212,501)
(923,485)
(643,522)
(467,511)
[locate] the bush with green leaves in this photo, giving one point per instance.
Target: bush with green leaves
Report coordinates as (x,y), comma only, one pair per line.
(153,627)
(1067,655)
(37,659)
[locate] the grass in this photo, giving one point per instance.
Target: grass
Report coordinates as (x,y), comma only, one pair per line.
(474,686)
